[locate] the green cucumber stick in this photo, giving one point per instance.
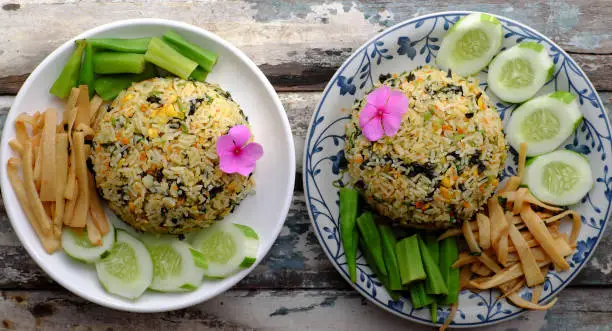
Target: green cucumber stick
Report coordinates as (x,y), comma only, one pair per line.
(199,74)
(390,258)
(205,58)
(137,45)
(86,76)
(164,56)
(409,260)
(448,256)
(108,87)
(349,200)
(69,76)
(118,63)
(434,283)
(431,242)
(371,237)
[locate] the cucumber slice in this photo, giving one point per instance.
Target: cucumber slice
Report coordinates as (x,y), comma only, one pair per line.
(126,270)
(544,122)
(516,74)
(560,178)
(77,245)
(470,44)
(174,267)
(227,248)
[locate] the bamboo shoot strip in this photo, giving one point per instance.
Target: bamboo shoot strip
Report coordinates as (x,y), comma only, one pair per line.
(48,182)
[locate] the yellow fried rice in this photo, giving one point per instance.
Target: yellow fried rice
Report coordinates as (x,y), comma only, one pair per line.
(154,155)
(444,162)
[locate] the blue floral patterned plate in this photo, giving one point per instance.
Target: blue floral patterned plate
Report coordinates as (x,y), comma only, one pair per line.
(404,47)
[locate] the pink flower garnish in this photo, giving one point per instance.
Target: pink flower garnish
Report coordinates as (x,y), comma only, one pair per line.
(235,155)
(383,113)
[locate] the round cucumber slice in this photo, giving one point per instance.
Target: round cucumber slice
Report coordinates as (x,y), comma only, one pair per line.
(126,269)
(174,268)
(227,248)
(77,245)
(544,122)
(560,178)
(470,44)
(516,74)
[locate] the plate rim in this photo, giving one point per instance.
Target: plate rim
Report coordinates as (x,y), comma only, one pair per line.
(290,185)
(325,93)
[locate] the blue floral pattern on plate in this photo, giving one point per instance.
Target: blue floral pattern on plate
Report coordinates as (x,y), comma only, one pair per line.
(404,47)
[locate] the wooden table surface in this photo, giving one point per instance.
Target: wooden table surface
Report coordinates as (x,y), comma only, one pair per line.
(298,45)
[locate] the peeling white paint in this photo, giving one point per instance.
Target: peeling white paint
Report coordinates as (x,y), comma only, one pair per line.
(605,266)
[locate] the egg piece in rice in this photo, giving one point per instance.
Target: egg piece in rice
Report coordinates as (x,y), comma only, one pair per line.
(445,160)
(155,160)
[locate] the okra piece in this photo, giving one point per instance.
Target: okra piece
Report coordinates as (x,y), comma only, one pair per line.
(371,238)
(409,260)
(87,70)
(388,245)
(418,297)
(199,74)
(109,87)
(167,58)
(349,200)
(137,45)
(448,256)
(118,63)
(69,76)
(367,255)
(434,283)
(205,58)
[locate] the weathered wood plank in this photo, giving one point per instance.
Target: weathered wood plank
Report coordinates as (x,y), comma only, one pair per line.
(276,310)
(296,259)
(298,46)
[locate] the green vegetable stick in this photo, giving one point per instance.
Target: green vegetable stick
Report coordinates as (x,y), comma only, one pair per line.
(367,255)
(349,199)
(431,242)
(199,74)
(448,256)
(388,246)
(409,260)
(87,70)
(167,58)
(371,237)
(205,58)
(108,87)
(118,63)
(434,283)
(137,45)
(69,76)
(418,297)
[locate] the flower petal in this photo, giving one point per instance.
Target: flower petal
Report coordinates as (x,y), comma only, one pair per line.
(397,103)
(367,114)
(241,134)
(378,97)
(225,145)
(229,163)
(247,158)
(373,130)
(391,123)
(252,152)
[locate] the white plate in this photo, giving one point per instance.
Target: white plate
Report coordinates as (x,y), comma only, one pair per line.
(275,173)
(402,48)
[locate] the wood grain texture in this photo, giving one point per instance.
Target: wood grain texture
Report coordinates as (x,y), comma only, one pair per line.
(296,261)
(276,310)
(298,45)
